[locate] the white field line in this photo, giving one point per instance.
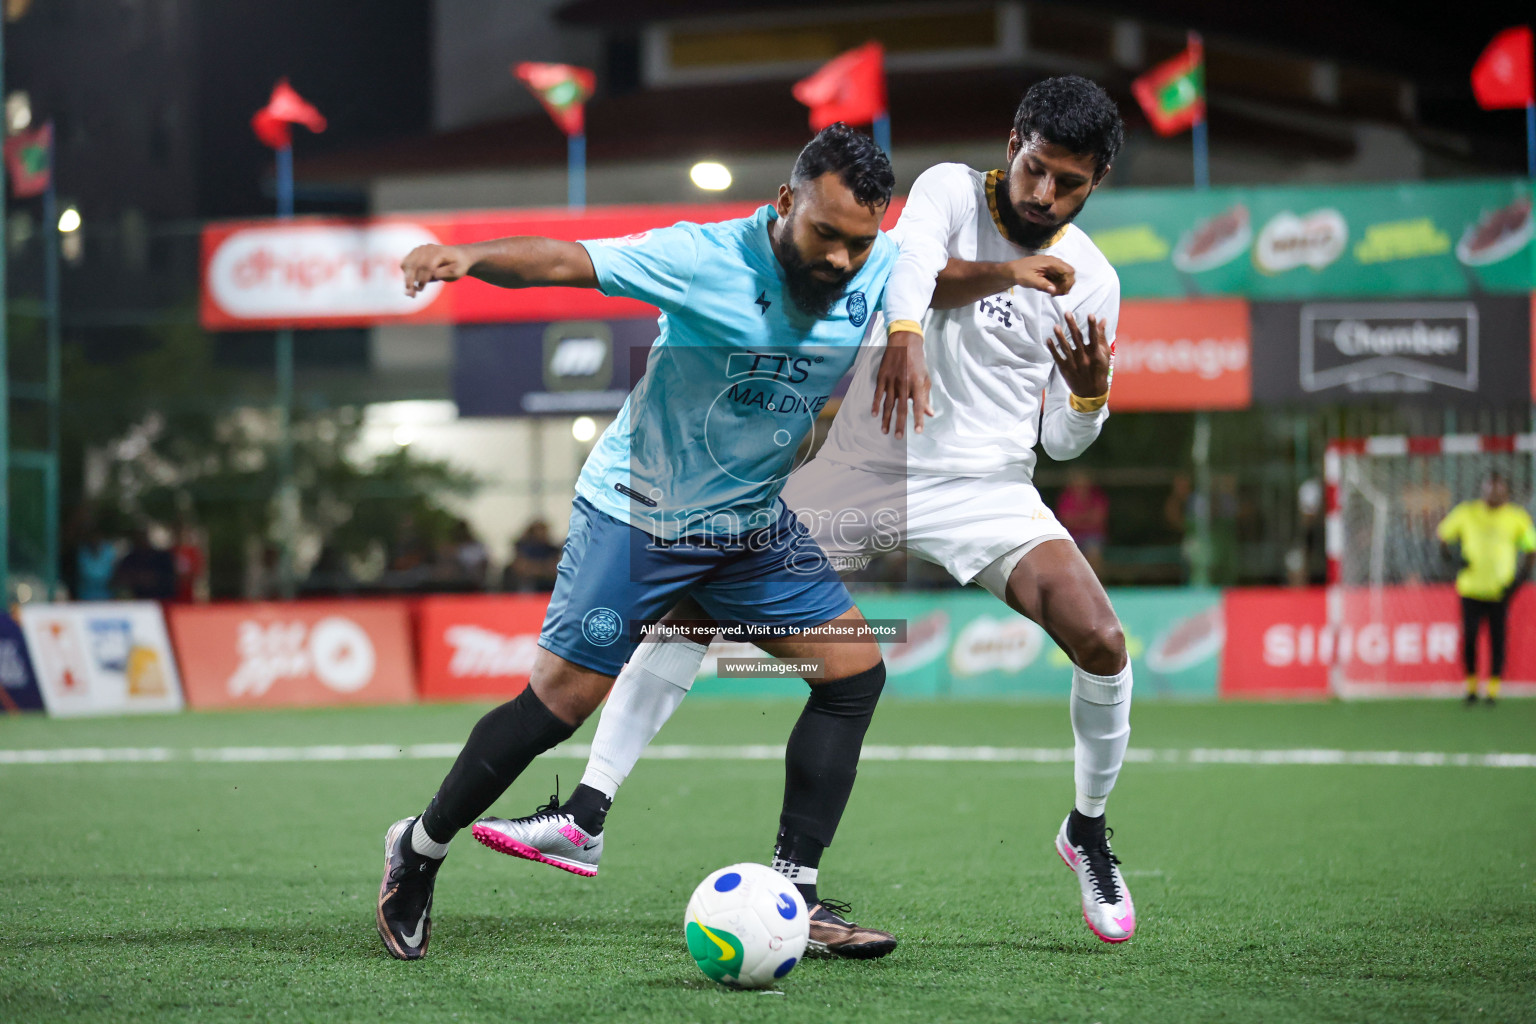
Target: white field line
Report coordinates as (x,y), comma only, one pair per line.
(679,752)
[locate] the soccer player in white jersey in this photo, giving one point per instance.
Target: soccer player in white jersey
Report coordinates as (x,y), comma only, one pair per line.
(1030,363)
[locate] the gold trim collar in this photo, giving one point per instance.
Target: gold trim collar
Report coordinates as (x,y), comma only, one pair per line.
(995,178)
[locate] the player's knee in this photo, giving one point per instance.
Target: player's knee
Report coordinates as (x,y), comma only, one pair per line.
(1101,650)
(853,696)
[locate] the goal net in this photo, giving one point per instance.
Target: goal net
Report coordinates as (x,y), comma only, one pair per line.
(1393,617)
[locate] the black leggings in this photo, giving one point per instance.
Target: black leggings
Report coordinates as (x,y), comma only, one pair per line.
(1472,615)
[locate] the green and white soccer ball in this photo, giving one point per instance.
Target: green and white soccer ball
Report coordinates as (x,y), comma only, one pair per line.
(746,926)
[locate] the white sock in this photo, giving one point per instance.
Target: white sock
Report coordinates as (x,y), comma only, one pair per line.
(425,844)
(1101,723)
(650,687)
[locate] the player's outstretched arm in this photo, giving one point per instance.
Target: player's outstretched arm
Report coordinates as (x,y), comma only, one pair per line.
(521,262)
(963,282)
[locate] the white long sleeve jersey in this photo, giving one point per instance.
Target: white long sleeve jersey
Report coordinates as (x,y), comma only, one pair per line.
(990,367)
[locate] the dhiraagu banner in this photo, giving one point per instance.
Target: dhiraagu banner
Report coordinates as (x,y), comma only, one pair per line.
(1452,238)
(966,643)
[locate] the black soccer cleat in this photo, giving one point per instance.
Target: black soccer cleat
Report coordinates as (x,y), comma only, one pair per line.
(831,935)
(405,896)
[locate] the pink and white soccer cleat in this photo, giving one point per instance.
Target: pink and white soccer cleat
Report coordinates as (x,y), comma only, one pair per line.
(1107,905)
(548,837)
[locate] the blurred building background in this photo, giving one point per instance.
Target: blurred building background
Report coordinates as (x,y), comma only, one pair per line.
(165,423)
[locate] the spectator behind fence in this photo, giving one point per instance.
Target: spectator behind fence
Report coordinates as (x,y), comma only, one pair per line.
(471,557)
(191,564)
(145,572)
(534,558)
(95,562)
(1083,509)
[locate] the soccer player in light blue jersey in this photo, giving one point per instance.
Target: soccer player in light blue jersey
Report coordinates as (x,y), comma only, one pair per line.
(760,318)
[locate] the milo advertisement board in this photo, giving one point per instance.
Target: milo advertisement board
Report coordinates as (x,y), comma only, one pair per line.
(1452,238)
(966,644)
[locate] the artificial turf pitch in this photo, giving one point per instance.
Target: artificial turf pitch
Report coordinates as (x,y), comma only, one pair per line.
(244,891)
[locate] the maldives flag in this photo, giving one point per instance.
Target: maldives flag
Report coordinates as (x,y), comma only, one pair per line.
(1173,93)
(26,161)
(1502,76)
(849,88)
(273,123)
(563,89)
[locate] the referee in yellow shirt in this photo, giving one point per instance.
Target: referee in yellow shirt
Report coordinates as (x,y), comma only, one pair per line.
(1498,545)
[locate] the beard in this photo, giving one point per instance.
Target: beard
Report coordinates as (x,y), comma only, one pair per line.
(810,294)
(1027,233)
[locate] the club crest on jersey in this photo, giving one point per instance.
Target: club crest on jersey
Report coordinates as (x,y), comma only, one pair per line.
(858,309)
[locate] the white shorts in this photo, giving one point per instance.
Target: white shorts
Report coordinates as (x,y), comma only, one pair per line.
(977,528)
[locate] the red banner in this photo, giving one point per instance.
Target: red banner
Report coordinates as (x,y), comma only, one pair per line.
(1280,642)
(298,654)
(478,647)
(315,272)
(1272,643)
(1182,355)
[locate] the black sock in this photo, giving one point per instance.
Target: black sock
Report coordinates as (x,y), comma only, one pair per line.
(1083,830)
(820,763)
(499,748)
(589,808)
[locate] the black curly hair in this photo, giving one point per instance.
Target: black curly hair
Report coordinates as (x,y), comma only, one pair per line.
(1074,113)
(859,163)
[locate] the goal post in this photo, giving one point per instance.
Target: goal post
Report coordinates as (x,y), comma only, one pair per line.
(1393,616)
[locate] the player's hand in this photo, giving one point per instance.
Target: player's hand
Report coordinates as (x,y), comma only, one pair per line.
(903,378)
(1083,362)
(1044,274)
(428,263)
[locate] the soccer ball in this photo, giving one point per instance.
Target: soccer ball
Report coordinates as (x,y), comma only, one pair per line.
(746,926)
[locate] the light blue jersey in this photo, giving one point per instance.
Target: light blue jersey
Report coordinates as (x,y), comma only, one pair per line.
(733,383)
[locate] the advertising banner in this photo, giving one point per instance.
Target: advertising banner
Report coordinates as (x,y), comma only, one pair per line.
(18,683)
(1273,650)
(102,658)
(326,272)
(479,647)
(1421,239)
(564,368)
(964,644)
(296,654)
(1434,239)
(1442,350)
(1408,638)
(1182,356)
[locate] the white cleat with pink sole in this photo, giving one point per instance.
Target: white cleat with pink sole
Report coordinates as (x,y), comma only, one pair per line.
(1107,905)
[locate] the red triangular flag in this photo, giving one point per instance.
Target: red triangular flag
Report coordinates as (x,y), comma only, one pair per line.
(850,88)
(273,123)
(1502,76)
(563,89)
(1172,95)
(26,160)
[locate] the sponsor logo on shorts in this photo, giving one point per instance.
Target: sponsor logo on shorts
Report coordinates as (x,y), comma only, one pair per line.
(601,626)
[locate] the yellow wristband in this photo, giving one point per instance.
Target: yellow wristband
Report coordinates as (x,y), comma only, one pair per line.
(904,325)
(1087,404)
